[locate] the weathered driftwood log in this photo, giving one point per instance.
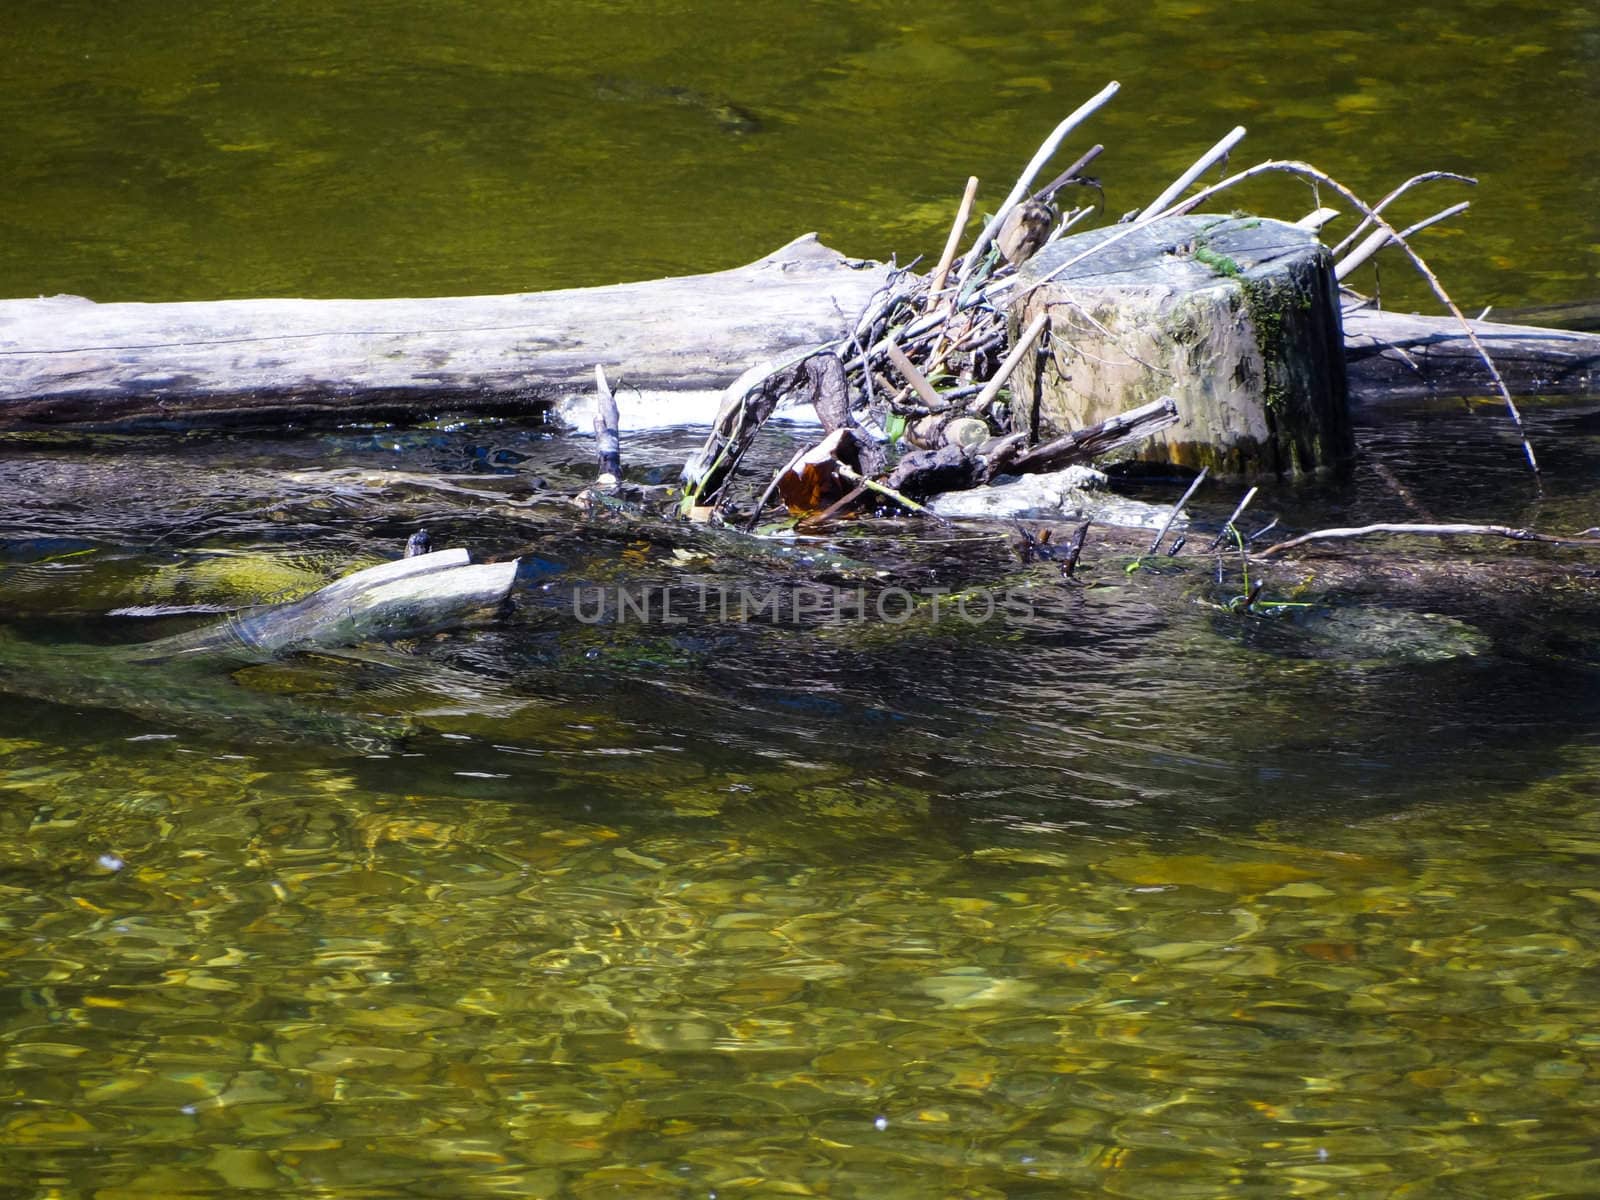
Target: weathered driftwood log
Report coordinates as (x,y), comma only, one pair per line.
(406,598)
(66,360)
(1395,356)
(188,679)
(1235,317)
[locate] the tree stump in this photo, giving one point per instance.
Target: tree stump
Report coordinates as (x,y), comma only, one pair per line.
(1237,318)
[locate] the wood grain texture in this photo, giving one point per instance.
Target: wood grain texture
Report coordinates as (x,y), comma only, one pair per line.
(67,360)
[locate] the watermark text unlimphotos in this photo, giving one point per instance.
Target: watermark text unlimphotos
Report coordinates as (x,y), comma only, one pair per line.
(802,604)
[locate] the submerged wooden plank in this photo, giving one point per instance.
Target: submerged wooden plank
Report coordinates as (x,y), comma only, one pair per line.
(68,360)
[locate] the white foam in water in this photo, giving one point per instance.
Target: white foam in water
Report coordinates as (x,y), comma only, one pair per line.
(641,412)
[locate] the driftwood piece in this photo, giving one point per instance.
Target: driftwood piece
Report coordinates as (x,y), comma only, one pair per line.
(410,597)
(67,360)
(746,405)
(925,473)
(1396,356)
(1586,538)
(1084,444)
(1177,510)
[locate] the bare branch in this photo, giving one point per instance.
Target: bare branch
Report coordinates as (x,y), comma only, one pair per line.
(1031,171)
(1501,531)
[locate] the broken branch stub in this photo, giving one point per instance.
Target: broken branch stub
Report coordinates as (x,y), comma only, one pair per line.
(1083,445)
(607,440)
(746,406)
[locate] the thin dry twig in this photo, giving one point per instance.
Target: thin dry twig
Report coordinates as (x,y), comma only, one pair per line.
(882,489)
(816,520)
(1417,530)
(1036,164)
(1316,219)
(1083,444)
(1237,513)
(1178,508)
(963,214)
(918,381)
(1201,165)
(1070,174)
(1011,362)
(1381,205)
(1070,221)
(1378,239)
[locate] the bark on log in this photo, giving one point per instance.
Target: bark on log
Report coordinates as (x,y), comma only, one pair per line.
(1395,356)
(67,360)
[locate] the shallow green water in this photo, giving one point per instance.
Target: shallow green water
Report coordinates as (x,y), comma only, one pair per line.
(304,983)
(1125,896)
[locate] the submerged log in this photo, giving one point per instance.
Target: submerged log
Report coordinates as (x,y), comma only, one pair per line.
(410,597)
(1236,318)
(190,679)
(67,360)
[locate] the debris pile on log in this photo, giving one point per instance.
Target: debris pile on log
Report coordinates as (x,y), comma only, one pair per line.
(1033,351)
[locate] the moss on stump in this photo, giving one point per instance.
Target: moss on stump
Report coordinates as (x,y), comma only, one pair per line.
(1237,318)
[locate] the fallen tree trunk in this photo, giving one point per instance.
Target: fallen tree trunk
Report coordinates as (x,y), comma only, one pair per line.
(65,360)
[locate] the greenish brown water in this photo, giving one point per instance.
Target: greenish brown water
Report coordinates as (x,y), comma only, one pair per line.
(1125,895)
(197,150)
